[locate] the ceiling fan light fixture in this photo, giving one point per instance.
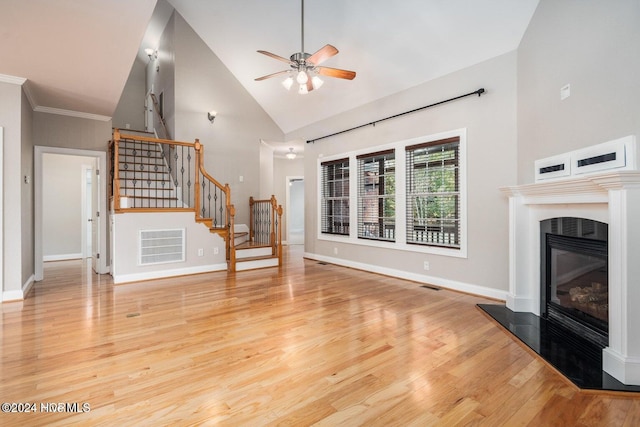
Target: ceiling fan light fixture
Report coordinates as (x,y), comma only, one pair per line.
(302,77)
(291,155)
(287,83)
(302,90)
(316,82)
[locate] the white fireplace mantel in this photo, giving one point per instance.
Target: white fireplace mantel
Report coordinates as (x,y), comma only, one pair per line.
(612,198)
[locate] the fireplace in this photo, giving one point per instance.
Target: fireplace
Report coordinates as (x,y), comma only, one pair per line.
(574,277)
(612,198)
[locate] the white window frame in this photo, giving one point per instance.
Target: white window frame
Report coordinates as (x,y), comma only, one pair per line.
(401,197)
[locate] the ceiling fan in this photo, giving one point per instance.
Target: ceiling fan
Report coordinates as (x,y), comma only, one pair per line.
(305,67)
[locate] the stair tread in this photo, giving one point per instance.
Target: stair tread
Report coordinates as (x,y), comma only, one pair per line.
(148,197)
(251,245)
(256,258)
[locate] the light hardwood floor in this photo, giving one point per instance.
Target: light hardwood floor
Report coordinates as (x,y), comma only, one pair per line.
(307,344)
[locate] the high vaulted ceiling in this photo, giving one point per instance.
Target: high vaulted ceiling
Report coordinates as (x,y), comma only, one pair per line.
(77,54)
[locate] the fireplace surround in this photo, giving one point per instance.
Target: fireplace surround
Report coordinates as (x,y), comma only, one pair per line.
(612,198)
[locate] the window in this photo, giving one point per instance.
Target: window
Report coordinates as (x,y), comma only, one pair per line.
(433,193)
(407,195)
(376,196)
(335,197)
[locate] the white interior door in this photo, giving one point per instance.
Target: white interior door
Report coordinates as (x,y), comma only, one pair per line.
(95,219)
(295,210)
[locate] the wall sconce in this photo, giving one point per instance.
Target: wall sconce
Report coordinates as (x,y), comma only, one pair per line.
(291,155)
(211,115)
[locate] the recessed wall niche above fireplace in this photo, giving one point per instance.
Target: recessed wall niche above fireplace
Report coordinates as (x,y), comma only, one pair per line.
(574,277)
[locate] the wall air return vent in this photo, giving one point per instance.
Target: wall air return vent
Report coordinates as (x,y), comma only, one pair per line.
(601,157)
(619,154)
(553,167)
(161,246)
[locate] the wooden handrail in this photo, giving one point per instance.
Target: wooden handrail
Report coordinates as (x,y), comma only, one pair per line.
(156,110)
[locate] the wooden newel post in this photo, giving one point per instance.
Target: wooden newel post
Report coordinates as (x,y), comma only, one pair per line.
(252,231)
(196,205)
(231,247)
(116,170)
(280,235)
(272,234)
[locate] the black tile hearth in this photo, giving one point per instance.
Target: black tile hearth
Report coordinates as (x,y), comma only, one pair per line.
(577,359)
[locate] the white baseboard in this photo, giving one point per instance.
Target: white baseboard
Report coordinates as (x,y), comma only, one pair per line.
(161,274)
(18,295)
(420,278)
(61,257)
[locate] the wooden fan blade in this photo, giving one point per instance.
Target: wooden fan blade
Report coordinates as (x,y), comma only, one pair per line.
(279,58)
(322,55)
(309,85)
(335,72)
(268,76)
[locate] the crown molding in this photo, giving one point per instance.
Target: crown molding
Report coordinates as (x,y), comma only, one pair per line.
(5,78)
(71,113)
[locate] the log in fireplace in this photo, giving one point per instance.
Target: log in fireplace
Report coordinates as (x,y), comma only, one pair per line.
(574,276)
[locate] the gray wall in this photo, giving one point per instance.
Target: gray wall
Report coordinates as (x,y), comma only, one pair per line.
(490,121)
(161,78)
(594,46)
(54,130)
(130,109)
(232,142)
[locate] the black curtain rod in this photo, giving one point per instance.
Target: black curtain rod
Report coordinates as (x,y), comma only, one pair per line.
(477,92)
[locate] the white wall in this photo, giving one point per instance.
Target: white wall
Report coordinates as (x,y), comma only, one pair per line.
(62,205)
(594,46)
(490,121)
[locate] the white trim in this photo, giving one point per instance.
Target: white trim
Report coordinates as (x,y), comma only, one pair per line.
(10,296)
(624,369)
(420,278)
(400,197)
(138,277)
(71,113)
(61,257)
(101,156)
(6,78)
(28,91)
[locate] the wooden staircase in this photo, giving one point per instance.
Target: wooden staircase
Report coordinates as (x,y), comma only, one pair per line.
(250,256)
(158,175)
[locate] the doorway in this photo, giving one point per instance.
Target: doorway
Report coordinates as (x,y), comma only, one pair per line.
(95,161)
(295,210)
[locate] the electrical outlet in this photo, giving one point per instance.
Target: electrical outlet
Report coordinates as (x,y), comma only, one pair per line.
(216,251)
(200,252)
(426,265)
(335,251)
